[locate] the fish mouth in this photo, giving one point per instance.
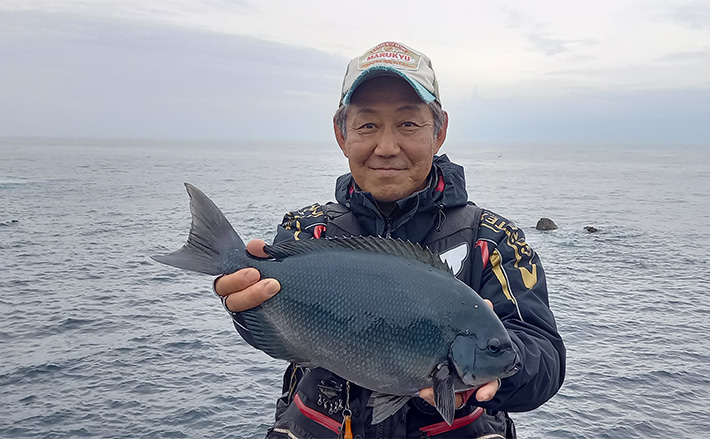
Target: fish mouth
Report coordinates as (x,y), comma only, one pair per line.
(479,363)
(513,367)
(493,371)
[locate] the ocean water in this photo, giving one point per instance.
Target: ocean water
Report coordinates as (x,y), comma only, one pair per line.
(99,341)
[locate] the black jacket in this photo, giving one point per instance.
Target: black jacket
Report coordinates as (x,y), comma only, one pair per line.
(500,266)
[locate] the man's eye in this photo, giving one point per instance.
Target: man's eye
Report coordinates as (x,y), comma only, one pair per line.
(410,125)
(367,126)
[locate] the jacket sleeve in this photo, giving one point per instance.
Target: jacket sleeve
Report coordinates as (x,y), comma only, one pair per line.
(305,223)
(512,277)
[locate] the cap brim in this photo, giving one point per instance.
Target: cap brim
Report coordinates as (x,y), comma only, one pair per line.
(374,71)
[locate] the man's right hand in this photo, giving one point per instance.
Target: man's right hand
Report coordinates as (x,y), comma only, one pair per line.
(244,289)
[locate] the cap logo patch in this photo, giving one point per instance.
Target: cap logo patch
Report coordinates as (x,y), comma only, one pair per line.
(391,55)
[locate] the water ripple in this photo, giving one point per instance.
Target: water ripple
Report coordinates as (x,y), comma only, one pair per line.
(99,341)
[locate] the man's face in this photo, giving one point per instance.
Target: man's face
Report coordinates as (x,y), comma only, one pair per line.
(390,141)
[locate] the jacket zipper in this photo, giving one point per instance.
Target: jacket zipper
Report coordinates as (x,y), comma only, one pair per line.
(380,433)
(388,227)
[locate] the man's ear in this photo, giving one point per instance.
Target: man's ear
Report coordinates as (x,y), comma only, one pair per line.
(442,134)
(340,138)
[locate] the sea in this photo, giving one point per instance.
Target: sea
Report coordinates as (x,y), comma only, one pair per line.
(99,341)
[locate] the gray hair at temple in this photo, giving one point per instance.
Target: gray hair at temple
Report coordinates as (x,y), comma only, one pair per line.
(341,117)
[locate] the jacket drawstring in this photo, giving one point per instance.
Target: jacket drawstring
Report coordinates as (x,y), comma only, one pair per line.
(441,217)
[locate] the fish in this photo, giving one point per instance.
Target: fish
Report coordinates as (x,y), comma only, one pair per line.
(383,313)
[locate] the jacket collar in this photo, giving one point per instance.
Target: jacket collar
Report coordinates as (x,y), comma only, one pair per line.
(414,216)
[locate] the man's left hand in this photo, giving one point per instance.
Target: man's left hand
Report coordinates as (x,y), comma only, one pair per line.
(484,393)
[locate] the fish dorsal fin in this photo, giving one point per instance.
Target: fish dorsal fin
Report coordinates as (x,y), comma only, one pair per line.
(373,244)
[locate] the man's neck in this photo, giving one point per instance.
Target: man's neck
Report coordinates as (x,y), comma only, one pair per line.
(386,207)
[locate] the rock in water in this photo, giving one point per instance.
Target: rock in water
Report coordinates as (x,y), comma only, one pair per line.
(546,224)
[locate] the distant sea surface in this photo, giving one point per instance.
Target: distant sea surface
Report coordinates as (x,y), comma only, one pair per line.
(99,341)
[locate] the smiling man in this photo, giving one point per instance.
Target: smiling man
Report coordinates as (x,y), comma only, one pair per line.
(388,138)
(390,126)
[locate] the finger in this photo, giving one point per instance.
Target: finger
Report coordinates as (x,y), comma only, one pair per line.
(489,303)
(428,395)
(252,296)
(487,391)
(256,248)
(236,281)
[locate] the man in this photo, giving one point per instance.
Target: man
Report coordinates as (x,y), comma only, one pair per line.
(390,126)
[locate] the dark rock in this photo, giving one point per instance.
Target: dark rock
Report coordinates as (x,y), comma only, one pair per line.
(546,224)
(591,229)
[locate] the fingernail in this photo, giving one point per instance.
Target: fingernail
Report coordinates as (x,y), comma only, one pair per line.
(272,287)
(252,275)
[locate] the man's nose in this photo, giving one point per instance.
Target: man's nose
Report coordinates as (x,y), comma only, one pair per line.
(387,143)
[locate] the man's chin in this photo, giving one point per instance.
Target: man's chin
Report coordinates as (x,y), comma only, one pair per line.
(389,196)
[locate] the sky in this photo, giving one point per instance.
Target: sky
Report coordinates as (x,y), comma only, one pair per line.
(535,71)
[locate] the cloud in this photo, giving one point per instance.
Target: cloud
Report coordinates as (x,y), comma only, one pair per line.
(256,70)
(696,56)
(665,117)
(551,46)
(695,15)
(118,78)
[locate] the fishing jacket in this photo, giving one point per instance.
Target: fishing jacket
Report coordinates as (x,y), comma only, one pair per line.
(485,251)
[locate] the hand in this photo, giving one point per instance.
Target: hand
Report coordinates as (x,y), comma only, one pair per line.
(244,289)
(484,393)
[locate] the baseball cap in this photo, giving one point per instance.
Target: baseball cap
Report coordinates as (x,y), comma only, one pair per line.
(393,59)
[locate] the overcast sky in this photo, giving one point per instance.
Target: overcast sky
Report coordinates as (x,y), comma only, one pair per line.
(621,71)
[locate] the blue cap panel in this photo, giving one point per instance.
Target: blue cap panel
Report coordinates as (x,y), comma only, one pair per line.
(372,72)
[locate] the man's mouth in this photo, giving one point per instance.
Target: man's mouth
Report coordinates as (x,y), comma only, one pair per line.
(386,172)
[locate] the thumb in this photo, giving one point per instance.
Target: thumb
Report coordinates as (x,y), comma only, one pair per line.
(256,248)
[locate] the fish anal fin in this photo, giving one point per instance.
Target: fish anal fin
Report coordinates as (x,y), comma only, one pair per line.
(384,406)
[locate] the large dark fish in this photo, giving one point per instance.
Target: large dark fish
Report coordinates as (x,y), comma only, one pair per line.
(384,314)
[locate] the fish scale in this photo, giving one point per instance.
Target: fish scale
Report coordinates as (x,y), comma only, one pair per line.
(384,314)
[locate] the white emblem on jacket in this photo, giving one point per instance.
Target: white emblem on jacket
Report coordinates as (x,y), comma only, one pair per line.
(455,257)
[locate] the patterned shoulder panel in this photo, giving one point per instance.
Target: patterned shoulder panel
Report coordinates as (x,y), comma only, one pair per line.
(497,229)
(306,223)
(514,264)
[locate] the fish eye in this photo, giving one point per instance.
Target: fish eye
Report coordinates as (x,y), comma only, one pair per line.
(494,345)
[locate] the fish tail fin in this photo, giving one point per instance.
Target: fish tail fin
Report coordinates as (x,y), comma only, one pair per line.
(212,240)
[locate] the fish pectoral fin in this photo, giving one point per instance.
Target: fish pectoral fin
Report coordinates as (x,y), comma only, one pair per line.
(444,392)
(384,406)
